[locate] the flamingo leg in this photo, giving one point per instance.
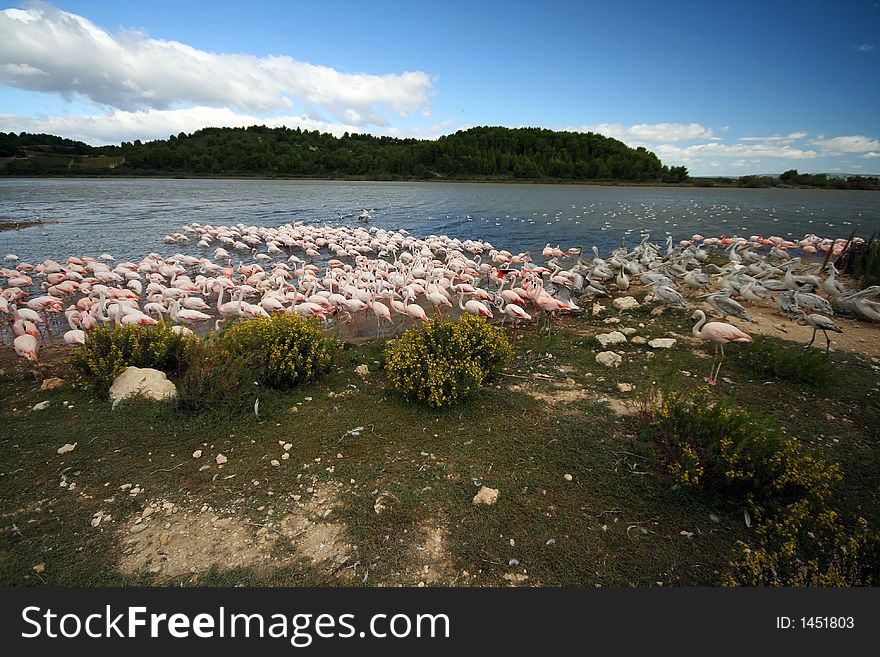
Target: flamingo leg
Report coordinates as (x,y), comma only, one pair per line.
(809,344)
(828,341)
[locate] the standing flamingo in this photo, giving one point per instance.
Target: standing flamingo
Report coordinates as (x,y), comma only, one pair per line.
(719,333)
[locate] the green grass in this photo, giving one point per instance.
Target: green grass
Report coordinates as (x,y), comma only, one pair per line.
(618,522)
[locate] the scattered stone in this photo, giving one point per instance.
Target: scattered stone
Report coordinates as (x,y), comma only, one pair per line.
(142,381)
(597,308)
(362,371)
(658,311)
(275,462)
(67,447)
(287,446)
(609,359)
(515,578)
(146,513)
(714,518)
(97,518)
(125,487)
(626,303)
(612,320)
(615,337)
(220,459)
(487,496)
(662,343)
(52,383)
(197,454)
(40,568)
(567,477)
(628,331)
(638,339)
(136,529)
(43,405)
(285,456)
(625,387)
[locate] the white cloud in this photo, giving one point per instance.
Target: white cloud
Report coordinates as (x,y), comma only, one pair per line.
(865,47)
(847,144)
(116,126)
(871,154)
(690,154)
(48,50)
(782,139)
(641,133)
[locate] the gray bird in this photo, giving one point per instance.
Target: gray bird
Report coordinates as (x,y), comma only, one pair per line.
(786,303)
(669,296)
(803,297)
(818,323)
(722,302)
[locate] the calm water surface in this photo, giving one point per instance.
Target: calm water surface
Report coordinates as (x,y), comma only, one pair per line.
(129,218)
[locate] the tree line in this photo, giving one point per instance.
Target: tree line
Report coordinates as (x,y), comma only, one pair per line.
(478,153)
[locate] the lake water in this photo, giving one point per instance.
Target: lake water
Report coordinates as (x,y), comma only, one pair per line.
(129,218)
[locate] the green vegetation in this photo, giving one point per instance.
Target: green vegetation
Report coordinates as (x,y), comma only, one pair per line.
(799,539)
(444,362)
(789,362)
(390,474)
(491,153)
(791,178)
(862,260)
(283,351)
(108,351)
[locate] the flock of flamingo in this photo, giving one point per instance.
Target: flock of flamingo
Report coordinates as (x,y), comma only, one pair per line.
(254,271)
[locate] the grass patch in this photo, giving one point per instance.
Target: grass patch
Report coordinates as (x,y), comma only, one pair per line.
(770,357)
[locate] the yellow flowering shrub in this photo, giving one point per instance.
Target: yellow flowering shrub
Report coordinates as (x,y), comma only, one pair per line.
(443,362)
(107,352)
(800,539)
(283,350)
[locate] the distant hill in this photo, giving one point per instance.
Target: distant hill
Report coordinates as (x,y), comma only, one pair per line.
(484,153)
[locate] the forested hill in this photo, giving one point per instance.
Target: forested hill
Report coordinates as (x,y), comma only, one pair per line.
(490,153)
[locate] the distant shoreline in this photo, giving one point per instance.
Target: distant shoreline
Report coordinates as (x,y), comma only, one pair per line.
(693,183)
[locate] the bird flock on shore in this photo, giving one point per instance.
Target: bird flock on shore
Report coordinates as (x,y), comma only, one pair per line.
(351,276)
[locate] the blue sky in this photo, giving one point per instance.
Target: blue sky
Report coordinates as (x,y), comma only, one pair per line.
(723,88)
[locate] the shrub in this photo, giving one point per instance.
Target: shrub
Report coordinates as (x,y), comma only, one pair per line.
(803,547)
(214,380)
(795,364)
(281,351)
(707,443)
(107,352)
(443,362)
(801,540)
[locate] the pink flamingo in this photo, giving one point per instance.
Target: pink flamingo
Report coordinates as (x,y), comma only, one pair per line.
(719,333)
(26,346)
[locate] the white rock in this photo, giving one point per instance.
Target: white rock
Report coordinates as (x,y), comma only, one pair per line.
(362,371)
(626,303)
(611,320)
(67,447)
(609,359)
(662,343)
(285,456)
(638,339)
(597,308)
(567,477)
(487,496)
(142,381)
(221,459)
(625,387)
(628,331)
(43,405)
(615,337)
(197,454)
(275,462)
